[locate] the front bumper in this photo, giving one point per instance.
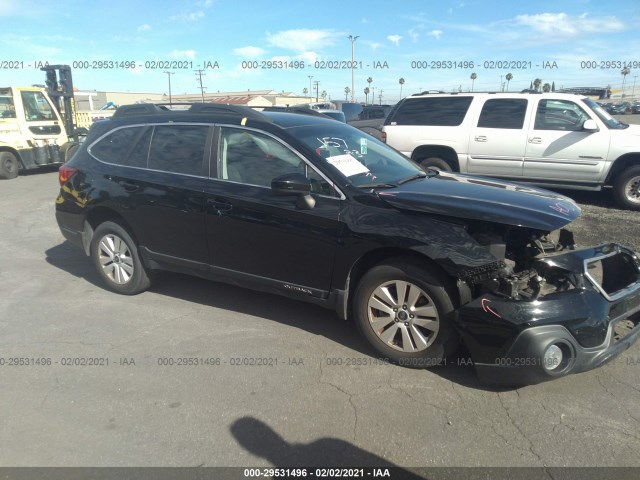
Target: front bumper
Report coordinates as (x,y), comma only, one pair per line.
(590,324)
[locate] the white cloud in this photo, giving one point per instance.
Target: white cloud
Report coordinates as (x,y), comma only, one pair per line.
(188,17)
(435,33)
(374,45)
(302,40)
(395,39)
(567,25)
(281,58)
(144,27)
(249,51)
(364,20)
(190,54)
(310,57)
(414,35)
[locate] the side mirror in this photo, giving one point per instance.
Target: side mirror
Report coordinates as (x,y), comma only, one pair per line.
(291,184)
(590,126)
(294,184)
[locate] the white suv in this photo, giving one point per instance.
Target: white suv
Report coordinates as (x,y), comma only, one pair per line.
(549,139)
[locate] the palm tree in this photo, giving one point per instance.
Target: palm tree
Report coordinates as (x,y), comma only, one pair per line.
(509,77)
(625,71)
(324,95)
(546,88)
(401,82)
(305,91)
(366,93)
(473,79)
(536,84)
(370,81)
(347,90)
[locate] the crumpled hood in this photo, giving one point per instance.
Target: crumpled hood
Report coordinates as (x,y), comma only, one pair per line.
(485,199)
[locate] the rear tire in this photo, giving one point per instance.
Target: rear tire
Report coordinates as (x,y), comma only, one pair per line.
(435,163)
(9,165)
(116,258)
(626,188)
(404,311)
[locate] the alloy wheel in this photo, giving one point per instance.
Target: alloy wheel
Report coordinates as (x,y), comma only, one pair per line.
(403,316)
(115,259)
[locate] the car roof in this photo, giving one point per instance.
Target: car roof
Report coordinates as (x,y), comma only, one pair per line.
(289,119)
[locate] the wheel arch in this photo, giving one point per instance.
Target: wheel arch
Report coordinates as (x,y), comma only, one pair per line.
(385,254)
(446,153)
(621,164)
(99,215)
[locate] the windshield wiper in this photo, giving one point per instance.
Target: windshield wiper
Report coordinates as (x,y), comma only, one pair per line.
(413,177)
(378,185)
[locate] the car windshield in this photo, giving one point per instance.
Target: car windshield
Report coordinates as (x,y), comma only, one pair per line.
(604,115)
(364,160)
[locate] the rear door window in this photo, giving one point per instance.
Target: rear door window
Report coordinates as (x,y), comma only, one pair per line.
(178,148)
(503,113)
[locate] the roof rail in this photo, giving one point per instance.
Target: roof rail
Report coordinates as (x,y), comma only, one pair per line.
(139,109)
(194,108)
(291,109)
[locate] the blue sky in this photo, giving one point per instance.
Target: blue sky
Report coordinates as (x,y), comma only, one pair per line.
(393,36)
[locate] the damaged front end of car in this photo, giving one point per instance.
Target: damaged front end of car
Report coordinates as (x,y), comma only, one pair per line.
(545,309)
(533,307)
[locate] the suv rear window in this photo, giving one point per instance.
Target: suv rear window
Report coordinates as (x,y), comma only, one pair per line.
(438,111)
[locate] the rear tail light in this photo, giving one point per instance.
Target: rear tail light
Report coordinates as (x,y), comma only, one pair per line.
(383,137)
(65,173)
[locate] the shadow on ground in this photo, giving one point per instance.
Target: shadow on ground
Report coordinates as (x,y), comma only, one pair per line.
(293,313)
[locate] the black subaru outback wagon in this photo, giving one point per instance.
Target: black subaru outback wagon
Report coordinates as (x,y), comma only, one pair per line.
(317,210)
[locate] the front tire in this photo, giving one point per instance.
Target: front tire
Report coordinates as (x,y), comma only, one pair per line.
(626,188)
(9,165)
(404,311)
(116,258)
(435,163)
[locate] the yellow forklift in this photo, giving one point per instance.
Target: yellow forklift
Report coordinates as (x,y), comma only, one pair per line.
(37,124)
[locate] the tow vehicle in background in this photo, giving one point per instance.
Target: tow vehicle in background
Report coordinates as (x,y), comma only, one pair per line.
(37,125)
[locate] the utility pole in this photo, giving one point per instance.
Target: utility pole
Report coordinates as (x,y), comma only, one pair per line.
(310,89)
(353,49)
(199,74)
(380,96)
(316,84)
(169,77)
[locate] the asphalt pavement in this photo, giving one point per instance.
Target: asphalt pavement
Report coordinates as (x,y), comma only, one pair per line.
(196,373)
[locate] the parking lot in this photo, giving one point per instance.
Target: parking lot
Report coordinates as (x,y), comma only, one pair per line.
(195,373)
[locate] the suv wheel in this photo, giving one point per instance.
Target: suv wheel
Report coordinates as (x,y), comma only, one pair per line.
(9,165)
(115,256)
(435,163)
(626,188)
(403,311)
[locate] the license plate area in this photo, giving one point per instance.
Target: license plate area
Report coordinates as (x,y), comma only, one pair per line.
(614,274)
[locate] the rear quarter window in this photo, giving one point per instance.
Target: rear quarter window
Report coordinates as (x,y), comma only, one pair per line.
(439,111)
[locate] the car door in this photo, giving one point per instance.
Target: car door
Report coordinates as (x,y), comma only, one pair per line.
(498,140)
(560,150)
(159,187)
(257,236)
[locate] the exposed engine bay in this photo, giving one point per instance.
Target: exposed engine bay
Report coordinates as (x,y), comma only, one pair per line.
(519,272)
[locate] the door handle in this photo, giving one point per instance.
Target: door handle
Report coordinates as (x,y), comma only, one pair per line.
(481,138)
(130,187)
(219,206)
(536,140)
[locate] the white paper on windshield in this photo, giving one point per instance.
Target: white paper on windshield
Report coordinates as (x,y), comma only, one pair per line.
(347,165)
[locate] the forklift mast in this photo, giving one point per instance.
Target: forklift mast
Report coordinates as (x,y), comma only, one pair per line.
(60,89)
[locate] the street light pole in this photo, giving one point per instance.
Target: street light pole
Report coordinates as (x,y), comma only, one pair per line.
(169,77)
(310,89)
(353,49)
